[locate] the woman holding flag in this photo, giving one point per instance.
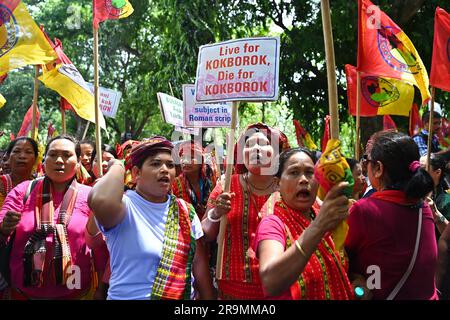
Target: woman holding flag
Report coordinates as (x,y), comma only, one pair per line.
(297,256)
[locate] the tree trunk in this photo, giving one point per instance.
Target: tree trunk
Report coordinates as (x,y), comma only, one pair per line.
(80,126)
(403,10)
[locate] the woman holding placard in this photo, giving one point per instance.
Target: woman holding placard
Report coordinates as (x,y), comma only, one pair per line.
(251,186)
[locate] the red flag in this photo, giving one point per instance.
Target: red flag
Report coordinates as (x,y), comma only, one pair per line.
(326,133)
(3,78)
(50,130)
(440,63)
(303,137)
(415,122)
(388,123)
(110,10)
(300,133)
(385,50)
(26,124)
(65,105)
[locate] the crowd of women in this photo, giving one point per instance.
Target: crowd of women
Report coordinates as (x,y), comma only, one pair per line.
(149,227)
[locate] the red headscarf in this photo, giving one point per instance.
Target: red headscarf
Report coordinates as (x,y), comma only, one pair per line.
(146,148)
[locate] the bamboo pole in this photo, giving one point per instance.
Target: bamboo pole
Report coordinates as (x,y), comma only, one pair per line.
(97,110)
(331,69)
(86,130)
(171,90)
(63,120)
(216,145)
(430,128)
(358,117)
(228,172)
(35,102)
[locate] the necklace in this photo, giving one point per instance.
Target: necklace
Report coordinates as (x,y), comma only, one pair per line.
(247,180)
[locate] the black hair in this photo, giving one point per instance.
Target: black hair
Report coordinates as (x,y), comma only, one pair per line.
(105,148)
(396,151)
(84,141)
(67,137)
(426,116)
(440,162)
(352,163)
(285,155)
(33,143)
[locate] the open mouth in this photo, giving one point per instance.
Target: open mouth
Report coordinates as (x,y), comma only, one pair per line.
(303,194)
(164,180)
(61,170)
(256,159)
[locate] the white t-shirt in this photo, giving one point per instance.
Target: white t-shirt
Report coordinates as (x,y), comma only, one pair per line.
(135,247)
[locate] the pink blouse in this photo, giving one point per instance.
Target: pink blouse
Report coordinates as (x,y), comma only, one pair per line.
(79,251)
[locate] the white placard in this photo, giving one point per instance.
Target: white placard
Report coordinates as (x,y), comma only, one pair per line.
(238,70)
(171,109)
(202,115)
(108,100)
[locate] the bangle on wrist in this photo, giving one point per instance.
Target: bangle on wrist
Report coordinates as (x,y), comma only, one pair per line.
(299,247)
(440,218)
(211,218)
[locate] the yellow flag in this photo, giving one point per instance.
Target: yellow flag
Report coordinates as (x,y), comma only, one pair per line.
(21,41)
(63,77)
(2,101)
(67,81)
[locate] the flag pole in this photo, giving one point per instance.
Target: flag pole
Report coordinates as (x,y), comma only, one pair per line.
(430,128)
(228,172)
(98,137)
(171,90)
(216,153)
(63,120)
(358,116)
(35,100)
(331,69)
(86,130)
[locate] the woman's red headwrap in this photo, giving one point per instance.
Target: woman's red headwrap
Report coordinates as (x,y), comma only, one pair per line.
(269,132)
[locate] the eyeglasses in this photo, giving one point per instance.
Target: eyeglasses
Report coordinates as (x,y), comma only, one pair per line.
(365,160)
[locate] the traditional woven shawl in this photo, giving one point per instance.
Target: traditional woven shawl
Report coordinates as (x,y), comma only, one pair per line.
(324,277)
(183,189)
(173,277)
(35,266)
